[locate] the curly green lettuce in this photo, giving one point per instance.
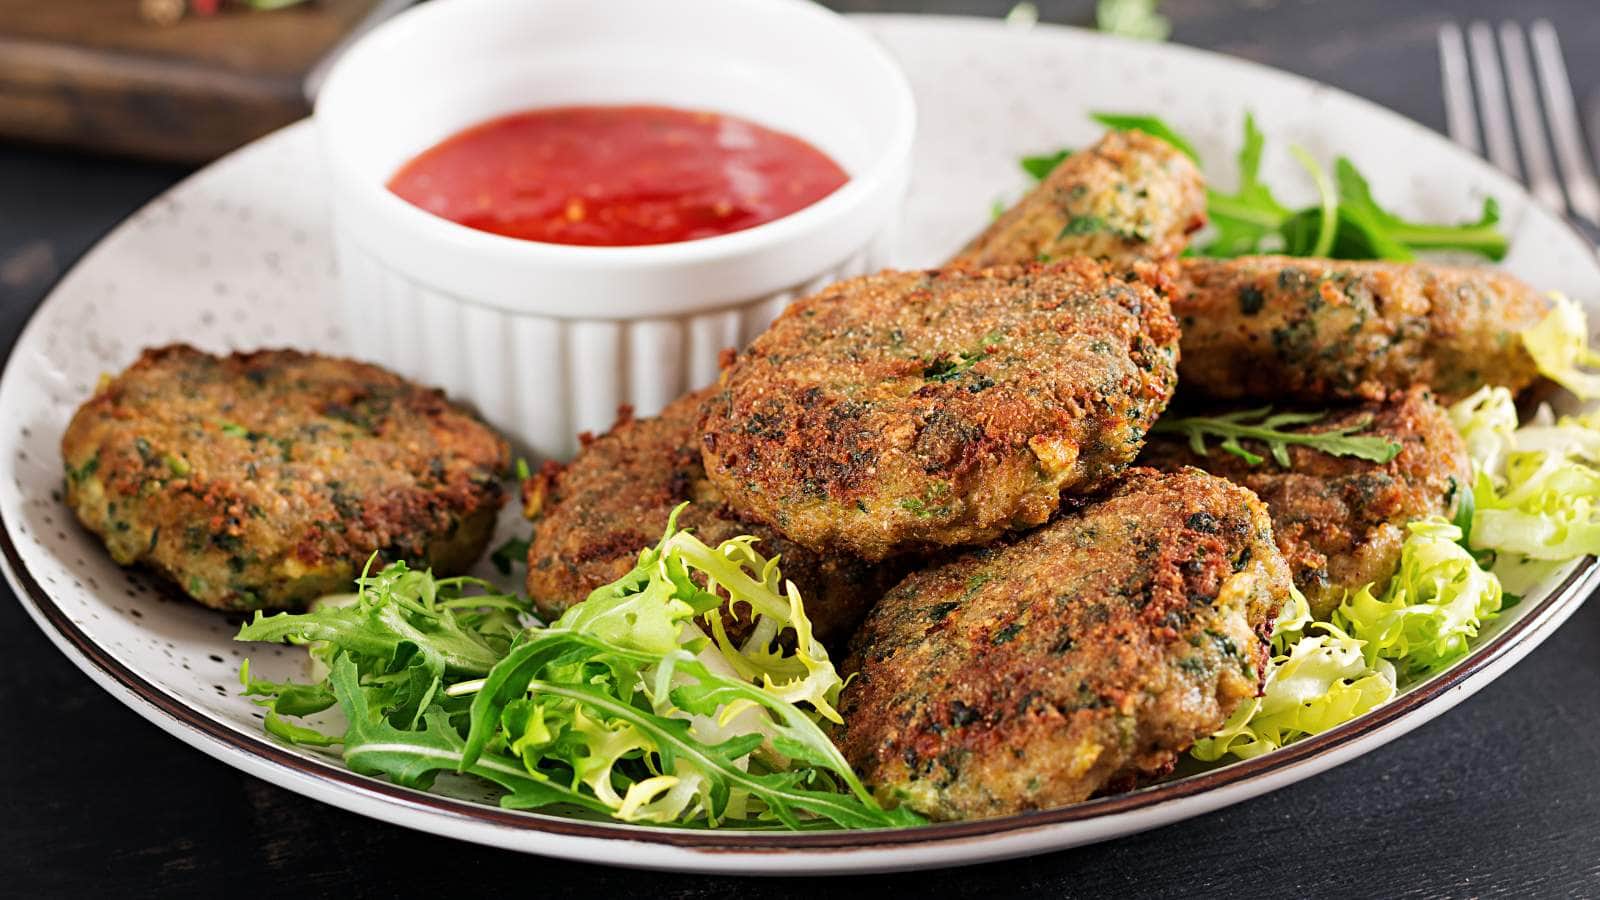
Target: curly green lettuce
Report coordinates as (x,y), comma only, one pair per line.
(624,707)
(1536,489)
(1432,607)
(1559,345)
(1320,677)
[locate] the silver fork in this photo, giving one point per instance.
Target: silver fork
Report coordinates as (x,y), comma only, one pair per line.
(1575,189)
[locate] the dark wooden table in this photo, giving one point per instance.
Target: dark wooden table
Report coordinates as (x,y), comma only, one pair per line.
(1498,796)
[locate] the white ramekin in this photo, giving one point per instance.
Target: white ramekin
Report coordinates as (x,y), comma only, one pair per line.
(548,340)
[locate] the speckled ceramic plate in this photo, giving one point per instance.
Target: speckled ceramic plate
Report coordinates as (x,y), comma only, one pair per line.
(238,257)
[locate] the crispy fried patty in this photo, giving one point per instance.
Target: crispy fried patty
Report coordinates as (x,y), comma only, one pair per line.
(910,409)
(1311,330)
(265,480)
(1129,195)
(1338,520)
(1083,656)
(595,514)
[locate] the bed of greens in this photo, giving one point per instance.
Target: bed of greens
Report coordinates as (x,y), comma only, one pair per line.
(639,705)
(635,704)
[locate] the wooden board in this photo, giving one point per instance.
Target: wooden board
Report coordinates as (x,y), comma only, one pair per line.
(92,74)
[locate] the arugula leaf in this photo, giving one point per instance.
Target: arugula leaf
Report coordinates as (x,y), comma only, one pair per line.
(1246,217)
(414,758)
(1392,237)
(1267,427)
(1320,241)
(288,699)
(1040,166)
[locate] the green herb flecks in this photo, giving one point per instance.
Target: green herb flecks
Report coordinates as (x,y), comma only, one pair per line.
(82,473)
(1080,225)
(951,366)
(1267,427)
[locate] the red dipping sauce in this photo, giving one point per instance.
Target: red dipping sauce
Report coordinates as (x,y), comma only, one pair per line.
(617,175)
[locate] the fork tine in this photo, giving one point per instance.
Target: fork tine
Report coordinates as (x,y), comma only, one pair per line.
(1458,113)
(1583,192)
(1530,124)
(1492,100)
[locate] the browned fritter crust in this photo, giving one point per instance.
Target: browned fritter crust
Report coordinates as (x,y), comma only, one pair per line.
(265,480)
(1314,329)
(594,515)
(1340,521)
(1083,656)
(1129,195)
(911,409)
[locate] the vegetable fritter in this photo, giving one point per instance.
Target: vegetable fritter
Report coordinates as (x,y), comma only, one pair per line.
(596,513)
(1311,330)
(1129,195)
(265,480)
(906,410)
(1084,656)
(1340,521)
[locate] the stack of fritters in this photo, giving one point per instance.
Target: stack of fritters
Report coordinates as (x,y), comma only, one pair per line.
(1069,624)
(900,420)
(594,515)
(946,453)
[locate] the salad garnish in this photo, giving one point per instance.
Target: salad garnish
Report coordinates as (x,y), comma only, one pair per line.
(1536,489)
(636,704)
(1533,507)
(1559,345)
(1318,678)
(1264,425)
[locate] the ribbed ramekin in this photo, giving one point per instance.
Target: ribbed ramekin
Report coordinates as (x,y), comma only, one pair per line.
(548,340)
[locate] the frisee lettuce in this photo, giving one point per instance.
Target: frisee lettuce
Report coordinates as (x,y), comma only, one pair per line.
(623,707)
(1559,345)
(1533,507)
(1319,677)
(1536,488)
(1432,607)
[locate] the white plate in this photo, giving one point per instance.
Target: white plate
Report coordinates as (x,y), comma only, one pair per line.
(237,257)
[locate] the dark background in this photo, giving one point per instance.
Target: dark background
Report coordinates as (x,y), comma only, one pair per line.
(1498,796)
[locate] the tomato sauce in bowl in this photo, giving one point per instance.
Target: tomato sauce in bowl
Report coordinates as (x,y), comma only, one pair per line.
(617,175)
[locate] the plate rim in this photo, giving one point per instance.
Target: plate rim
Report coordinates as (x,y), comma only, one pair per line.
(236,747)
